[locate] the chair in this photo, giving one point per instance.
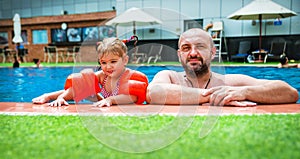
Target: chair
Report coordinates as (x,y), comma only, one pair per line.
(74,53)
(9,53)
(155,53)
(277,49)
(2,52)
(52,51)
(138,54)
(296,50)
(243,51)
(45,53)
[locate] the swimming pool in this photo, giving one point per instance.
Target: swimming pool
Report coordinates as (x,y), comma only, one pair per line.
(23,84)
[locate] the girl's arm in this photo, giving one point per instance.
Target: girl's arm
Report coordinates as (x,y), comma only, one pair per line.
(47,97)
(63,98)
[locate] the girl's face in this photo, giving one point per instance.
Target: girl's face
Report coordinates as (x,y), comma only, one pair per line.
(113,65)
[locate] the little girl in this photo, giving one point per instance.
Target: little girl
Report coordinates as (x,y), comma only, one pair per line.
(114,84)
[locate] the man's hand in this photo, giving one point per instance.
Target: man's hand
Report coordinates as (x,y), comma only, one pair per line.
(226,95)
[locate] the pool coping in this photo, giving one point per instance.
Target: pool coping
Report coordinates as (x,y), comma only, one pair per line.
(16,108)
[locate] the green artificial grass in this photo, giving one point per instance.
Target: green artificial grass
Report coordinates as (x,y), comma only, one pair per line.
(262,136)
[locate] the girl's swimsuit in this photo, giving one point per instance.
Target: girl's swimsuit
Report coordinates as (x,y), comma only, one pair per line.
(129,83)
(105,93)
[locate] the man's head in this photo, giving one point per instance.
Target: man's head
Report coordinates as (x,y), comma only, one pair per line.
(196,50)
(283,60)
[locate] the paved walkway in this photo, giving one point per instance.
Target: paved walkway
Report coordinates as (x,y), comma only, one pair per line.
(12,108)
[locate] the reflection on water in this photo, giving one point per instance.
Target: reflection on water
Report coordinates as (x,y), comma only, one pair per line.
(23,84)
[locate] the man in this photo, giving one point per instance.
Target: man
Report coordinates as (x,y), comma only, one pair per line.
(20,51)
(284,62)
(198,84)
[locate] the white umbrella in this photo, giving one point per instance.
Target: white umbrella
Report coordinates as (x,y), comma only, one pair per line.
(133,17)
(17,29)
(261,9)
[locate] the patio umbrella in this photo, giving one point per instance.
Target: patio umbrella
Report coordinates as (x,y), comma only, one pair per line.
(133,17)
(17,29)
(261,9)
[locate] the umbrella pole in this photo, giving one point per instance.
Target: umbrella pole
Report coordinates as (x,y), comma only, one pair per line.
(260,21)
(134,45)
(134,31)
(135,52)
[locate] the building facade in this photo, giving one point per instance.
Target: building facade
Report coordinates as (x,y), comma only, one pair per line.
(176,16)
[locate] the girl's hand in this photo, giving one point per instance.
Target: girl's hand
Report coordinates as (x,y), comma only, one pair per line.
(58,102)
(103,102)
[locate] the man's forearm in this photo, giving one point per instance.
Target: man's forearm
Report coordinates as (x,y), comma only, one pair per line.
(272,93)
(175,94)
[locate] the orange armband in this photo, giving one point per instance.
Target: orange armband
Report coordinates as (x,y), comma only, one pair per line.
(135,83)
(139,89)
(84,84)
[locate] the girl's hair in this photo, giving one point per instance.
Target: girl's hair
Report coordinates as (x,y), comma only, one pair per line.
(111,46)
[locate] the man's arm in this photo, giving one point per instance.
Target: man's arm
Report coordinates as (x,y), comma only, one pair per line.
(242,87)
(162,90)
(272,92)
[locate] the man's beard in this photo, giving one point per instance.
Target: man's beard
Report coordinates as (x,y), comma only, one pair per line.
(198,71)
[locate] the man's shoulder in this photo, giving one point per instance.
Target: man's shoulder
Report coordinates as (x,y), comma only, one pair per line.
(235,75)
(167,71)
(170,72)
(168,76)
(237,79)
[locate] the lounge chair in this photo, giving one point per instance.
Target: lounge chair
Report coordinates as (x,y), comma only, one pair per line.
(243,51)
(155,53)
(277,49)
(296,51)
(138,55)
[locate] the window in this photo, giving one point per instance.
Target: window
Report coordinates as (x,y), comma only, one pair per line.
(107,32)
(39,37)
(193,23)
(3,38)
(74,34)
(23,35)
(90,34)
(58,35)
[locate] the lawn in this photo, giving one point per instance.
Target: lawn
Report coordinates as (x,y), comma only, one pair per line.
(256,136)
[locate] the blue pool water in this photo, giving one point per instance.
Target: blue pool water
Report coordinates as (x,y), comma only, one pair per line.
(23,84)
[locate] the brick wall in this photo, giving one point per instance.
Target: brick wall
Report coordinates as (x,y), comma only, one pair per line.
(52,22)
